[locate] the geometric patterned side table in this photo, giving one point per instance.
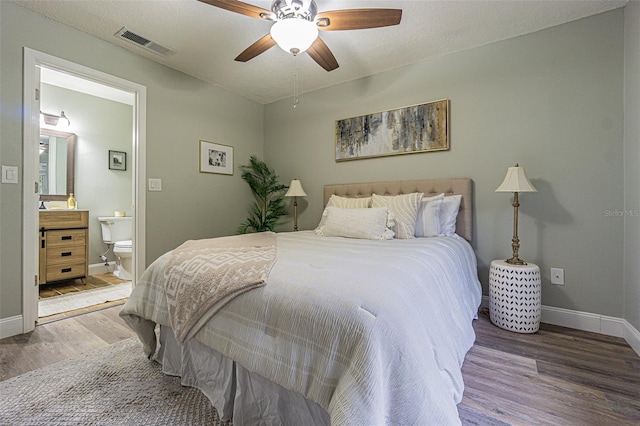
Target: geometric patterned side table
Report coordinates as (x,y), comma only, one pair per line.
(514,296)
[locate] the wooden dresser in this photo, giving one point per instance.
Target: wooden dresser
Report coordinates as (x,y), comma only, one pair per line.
(64,245)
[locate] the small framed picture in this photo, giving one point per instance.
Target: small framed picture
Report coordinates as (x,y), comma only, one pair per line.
(216,158)
(117,160)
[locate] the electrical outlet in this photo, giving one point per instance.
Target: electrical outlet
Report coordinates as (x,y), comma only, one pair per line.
(557,276)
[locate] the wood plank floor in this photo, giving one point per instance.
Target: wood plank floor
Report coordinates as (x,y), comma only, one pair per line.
(65,338)
(558,376)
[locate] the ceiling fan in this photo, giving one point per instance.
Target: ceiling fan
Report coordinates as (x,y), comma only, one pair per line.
(296,25)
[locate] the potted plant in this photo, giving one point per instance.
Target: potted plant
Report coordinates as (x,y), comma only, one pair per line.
(269,203)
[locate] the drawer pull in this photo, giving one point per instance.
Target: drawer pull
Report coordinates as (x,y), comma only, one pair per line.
(63,270)
(66,237)
(66,253)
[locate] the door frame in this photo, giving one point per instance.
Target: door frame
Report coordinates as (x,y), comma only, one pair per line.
(33,60)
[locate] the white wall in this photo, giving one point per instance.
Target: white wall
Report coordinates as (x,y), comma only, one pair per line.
(552,101)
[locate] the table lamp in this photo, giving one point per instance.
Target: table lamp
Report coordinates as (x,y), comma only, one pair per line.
(516,181)
(295,190)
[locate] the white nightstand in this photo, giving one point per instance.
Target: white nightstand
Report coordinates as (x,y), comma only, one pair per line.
(514,296)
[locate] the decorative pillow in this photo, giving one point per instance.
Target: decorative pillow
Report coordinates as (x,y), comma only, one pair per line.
(428,219)
(349,203)
(344,203)
(449,214)
(405,208)
(367,223)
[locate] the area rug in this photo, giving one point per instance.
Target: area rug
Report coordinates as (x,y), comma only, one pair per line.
(116,385)
(83,299)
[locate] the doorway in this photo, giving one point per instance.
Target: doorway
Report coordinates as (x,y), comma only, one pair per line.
(44,75)
(86,121)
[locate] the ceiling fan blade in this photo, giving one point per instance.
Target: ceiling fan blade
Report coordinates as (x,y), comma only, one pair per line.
(320,53)
(357,19)
(260,46)
(241,8)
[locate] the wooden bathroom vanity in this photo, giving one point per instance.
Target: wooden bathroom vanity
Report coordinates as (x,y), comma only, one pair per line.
(64,245)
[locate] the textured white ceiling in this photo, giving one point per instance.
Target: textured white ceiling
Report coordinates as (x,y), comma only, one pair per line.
(207,39)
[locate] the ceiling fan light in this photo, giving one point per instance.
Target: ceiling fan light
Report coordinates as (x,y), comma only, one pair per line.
(294,35)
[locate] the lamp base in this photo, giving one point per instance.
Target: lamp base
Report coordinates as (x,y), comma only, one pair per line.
(295,214)
(515,261)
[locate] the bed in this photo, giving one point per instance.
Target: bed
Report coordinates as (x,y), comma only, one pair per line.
(342,330)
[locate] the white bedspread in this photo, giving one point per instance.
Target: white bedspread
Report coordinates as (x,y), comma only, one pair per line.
(375,332)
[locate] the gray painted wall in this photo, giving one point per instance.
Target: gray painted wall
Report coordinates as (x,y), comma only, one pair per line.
(552,101)
(181,110)
(100,125)
(632,164)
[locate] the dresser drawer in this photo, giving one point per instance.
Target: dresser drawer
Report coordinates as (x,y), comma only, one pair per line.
(66,237)
(62,219)
(66,255)
(65,272)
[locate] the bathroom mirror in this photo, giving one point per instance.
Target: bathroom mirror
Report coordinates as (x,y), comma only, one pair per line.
(57,164)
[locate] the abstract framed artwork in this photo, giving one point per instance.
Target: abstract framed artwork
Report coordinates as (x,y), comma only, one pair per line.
(216,158)
(117,160)
(407,130)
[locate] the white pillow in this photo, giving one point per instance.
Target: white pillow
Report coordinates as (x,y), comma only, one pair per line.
(428,219)
(449,214)
(368,223)
(344,203)
(405,208)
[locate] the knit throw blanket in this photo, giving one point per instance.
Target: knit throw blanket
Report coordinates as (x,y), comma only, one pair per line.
(203,275)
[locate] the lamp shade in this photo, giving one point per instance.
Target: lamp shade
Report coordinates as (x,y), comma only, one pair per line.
(295,189)
(294,35)
(516,181)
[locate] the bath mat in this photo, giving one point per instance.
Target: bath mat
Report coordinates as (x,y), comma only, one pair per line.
(83,299)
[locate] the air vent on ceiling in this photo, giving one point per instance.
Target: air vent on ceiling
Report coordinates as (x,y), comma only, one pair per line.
(130,36)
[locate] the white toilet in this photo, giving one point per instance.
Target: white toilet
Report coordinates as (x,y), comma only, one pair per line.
(118,231)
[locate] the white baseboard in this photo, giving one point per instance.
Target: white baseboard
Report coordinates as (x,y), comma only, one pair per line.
(632,336)
(11,326)
(100,268)
(585,321)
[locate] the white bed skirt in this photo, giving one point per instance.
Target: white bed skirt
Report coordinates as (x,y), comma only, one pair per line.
(235,392)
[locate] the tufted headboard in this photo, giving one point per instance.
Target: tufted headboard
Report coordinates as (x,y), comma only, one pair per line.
(429,187)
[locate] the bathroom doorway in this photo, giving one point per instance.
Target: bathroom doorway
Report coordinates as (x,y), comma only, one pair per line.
(106,114)
(91,121)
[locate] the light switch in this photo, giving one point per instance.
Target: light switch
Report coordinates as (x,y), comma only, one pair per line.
(155,184)
(9,174)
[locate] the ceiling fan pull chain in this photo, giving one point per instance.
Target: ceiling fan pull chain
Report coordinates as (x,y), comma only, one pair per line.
(295,81)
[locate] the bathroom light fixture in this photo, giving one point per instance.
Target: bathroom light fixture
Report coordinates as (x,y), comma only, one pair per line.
(295,190)
(52,119)
(516,181)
